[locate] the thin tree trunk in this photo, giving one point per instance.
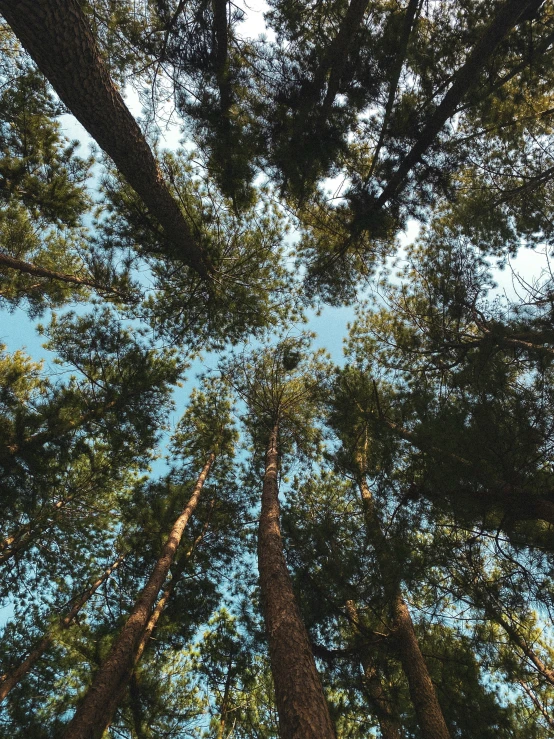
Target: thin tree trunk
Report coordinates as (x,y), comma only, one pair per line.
(155,617)
(19,541)
(422,691)
(496,616)
(301,704)
(464,79)
(94,713)
(388,723)
(337,55)
(32,269)
(10,679)
(166,595)
(409,21)
(56,34)
(538,704)
(136,707)
(225,703)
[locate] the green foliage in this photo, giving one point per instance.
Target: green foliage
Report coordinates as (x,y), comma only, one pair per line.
(443,408)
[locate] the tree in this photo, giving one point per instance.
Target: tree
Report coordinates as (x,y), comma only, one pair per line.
(280,403)
(403,539)
(58,38)
(206,429)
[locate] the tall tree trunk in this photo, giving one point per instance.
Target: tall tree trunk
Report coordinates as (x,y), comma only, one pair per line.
(56,34)
(422,691)
(10,679)
(94,713)
(301,704)
(134,689)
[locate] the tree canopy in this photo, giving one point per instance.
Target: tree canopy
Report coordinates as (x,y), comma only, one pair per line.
(322,547)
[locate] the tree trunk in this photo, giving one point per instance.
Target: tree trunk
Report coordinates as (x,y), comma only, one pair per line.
(152,623)
(390,727)
(388,723)
(10,679)
(301,704)
(466,76)
(57,36)
(422,690)
(94,713)
(222,723)
(337,55)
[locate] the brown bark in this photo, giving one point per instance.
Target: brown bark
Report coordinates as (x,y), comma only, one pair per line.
(153,622)
(390,727)
(10,679)
(422,691)
(136,707)
(301,704)
(94,713)
(538,704)
(57,36)
(32,269)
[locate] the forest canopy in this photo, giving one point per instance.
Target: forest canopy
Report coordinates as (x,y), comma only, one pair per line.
(287,542)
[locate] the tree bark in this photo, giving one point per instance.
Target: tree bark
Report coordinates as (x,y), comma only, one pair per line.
(301,704)
(94,713)
(222,723)
(422,691)
(10,679)
(57,36)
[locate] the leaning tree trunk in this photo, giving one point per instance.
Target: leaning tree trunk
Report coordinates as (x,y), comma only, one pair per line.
(422,691)
(301,704)
(94,713)
(155,616)
(10,679)
(465,77)
(57,36)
